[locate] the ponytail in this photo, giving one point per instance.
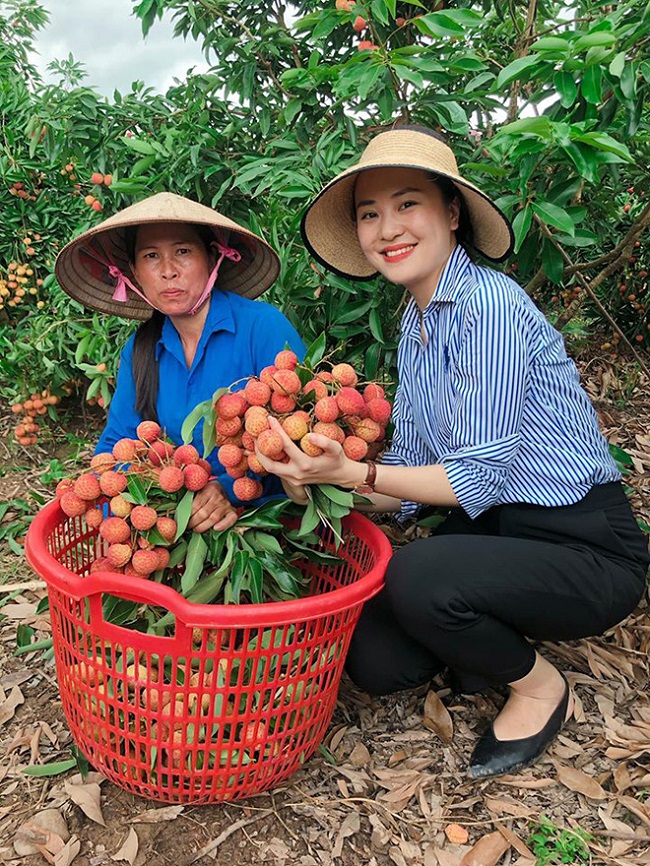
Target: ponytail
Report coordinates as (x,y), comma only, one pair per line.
(145,366)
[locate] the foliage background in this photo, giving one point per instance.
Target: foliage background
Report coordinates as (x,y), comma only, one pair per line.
(544,102)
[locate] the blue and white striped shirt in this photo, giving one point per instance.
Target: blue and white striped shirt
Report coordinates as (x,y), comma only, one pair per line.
(492,396)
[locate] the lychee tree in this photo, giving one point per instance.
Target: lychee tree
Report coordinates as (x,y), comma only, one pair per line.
(544,103)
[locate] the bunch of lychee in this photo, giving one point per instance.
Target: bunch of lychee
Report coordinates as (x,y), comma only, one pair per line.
(28,412)
(134,535)
(326,401)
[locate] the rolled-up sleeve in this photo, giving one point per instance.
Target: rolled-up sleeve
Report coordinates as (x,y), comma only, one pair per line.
(489,379)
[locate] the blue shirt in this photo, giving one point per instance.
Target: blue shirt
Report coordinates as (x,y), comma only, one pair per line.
(490,394)
(240,337)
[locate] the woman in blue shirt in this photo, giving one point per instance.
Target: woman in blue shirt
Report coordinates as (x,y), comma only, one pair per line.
(491,421)
(158,260)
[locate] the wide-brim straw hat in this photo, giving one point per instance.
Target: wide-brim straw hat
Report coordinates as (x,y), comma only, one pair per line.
(81,267)
(328,226)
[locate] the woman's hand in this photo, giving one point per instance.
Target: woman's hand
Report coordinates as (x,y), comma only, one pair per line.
(331,467)
(211,509)
(296,492)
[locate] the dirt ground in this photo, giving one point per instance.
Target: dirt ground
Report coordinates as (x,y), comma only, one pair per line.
(391,788)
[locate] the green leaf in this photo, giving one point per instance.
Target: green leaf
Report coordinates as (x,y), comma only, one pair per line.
(183,513)
(310,519)
(554,216)
(591,85)
(517,69)
(540,126)
(552,262)
(316,351)
(138,144)
(137,489)
(198,413)
(551,43)
(566,87)
(342,497)
(599,37)
(521,225)
(197,550)
(53,769)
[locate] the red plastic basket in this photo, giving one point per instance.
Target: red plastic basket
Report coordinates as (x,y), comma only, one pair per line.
(229,706)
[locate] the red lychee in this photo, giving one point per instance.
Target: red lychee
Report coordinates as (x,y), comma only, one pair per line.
(267,374)
(239,470)
(229,455)
(163,557)
(345,375)
(73,505)
(359,24)
(66,485)
(87,487)
(379,409)
(282,403)
(94,518)
(167,527)
(115,530)
(355,448)
(195,477)
(332,431)
(327,409)
(286,382)
(171,478)
(186,454)
(120,507)
(256,420)
(143,517)
(350,402)
(101,564)
(255,466)
(270,444)
(119,554)
(227,427)
(257,393)
(145,561)
(315,390)
(295,427)
(101,463)
(247,489)
(286,360)
(124,450)
(160,452)
(230,405)
(112,483)
(148,431)
(367,429)
(309,447)
(373,392)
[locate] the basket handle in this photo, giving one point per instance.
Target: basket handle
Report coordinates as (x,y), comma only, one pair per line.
(101,583)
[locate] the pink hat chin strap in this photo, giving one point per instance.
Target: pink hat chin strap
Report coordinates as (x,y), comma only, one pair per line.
(225,252)
(120,294)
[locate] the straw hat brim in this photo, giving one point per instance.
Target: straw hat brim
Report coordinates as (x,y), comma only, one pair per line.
(81,268)
(329,229)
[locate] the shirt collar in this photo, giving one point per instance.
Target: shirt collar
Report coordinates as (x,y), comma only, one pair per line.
(453,273)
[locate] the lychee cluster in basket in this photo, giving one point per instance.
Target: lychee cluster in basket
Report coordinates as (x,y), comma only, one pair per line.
(143,481)
(310,397)
(138,502)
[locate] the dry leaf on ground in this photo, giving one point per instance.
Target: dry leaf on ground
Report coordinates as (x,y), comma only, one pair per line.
(487,851)
(437,718)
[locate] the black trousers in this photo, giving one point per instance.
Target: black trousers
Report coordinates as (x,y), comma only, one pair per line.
(472,596)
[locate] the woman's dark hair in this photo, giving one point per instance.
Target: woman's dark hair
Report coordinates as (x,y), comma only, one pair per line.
(145,364)
(451,193)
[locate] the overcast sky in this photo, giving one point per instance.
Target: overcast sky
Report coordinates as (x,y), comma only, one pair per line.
(107,39)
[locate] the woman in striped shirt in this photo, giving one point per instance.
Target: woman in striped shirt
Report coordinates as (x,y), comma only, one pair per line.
(491,421)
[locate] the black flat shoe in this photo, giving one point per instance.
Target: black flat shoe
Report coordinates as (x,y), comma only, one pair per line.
(493,757)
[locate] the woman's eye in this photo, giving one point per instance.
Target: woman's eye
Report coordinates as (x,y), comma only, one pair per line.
(367,215)
(183,251)
(407,204)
